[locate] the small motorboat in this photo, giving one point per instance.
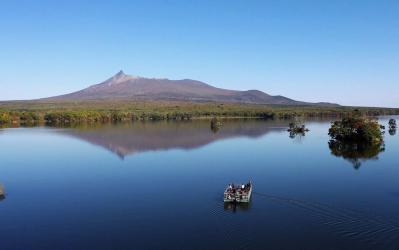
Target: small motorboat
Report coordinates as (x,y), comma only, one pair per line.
(238,193)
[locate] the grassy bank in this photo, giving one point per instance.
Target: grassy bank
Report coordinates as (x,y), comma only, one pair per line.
(36,112)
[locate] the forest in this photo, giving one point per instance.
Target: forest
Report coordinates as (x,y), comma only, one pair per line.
(103,111)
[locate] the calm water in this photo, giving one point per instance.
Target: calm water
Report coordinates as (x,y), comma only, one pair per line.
(159,186)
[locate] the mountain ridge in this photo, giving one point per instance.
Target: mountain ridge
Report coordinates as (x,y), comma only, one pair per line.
(123,86)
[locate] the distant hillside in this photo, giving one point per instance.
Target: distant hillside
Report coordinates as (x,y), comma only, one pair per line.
(122,86)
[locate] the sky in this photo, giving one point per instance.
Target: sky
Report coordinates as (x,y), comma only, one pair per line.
(339,51)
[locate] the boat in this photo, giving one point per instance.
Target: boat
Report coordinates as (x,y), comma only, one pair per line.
(238,193)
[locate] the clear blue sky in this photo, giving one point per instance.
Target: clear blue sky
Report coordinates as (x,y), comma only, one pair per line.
(338,51)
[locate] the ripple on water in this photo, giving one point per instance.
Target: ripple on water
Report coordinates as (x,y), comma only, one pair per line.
(348,223)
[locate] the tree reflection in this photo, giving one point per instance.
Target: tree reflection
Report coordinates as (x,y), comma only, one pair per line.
(215,124)
(296,135)
(356,152)
(215,129)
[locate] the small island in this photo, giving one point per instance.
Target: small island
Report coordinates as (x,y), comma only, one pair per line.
(356,129)
(297,127)
(356,138)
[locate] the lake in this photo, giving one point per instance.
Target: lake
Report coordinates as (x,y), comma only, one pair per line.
(159,185)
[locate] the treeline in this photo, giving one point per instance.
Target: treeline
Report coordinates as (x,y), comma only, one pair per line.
(103,112)
(65,117)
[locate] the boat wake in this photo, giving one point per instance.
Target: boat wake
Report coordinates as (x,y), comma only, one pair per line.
(375,231)
(234,230)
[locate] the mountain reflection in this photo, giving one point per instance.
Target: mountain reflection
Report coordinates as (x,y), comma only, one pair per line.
(356,153)
(131,138)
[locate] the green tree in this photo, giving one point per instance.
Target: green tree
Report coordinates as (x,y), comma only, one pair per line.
(356,138)
(4,118)
(356,129)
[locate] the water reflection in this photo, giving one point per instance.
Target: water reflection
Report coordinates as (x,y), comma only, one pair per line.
(130,138)
(2,192)
(294,135)
(234,207)
(392,131)
(329,216)
(356,153)
(215,129)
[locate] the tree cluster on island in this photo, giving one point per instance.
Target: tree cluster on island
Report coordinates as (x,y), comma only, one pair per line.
(356,129)
(297,127)
(356,138)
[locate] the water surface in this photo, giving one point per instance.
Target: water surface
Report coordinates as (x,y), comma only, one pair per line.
(159,186)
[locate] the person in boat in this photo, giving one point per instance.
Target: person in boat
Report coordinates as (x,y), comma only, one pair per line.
(231,188)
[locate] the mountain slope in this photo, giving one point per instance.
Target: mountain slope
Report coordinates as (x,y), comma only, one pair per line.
(122,86)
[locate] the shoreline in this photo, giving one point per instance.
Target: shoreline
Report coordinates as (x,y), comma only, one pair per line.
(58,113)
(23,124)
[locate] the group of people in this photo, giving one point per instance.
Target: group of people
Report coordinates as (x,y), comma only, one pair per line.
(242,187)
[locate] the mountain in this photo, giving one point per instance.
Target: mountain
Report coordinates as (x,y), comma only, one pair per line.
(122,86)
